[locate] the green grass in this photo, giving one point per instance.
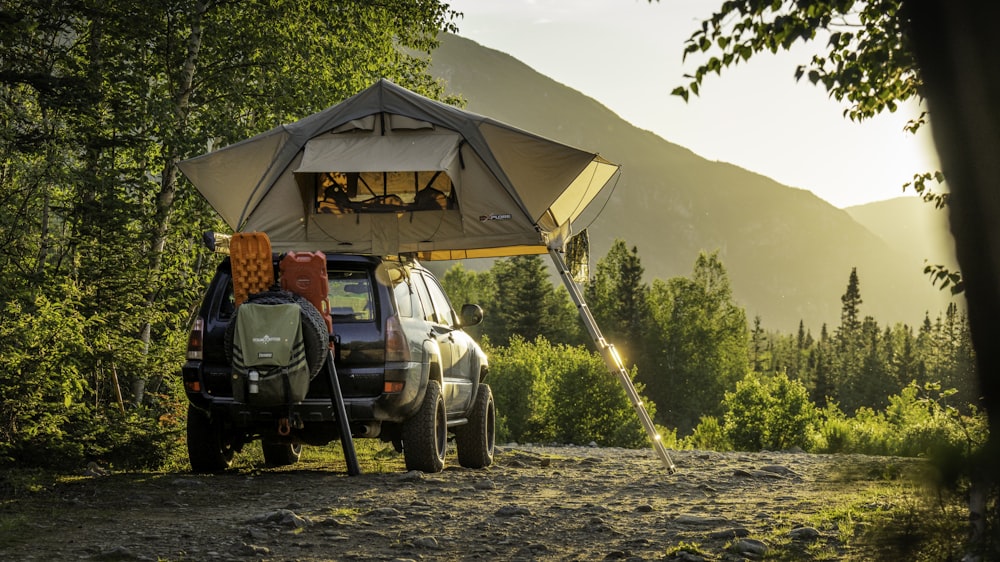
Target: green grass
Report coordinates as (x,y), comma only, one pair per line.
(890,512)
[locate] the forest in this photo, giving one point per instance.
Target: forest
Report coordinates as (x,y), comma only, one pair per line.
(101,264)
(712,378)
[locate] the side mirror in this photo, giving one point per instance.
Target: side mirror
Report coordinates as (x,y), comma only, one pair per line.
(472,315)
(216,242)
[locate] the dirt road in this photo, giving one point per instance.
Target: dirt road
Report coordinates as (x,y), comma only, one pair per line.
(534,503)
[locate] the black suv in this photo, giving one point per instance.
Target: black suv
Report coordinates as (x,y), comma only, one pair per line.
(409,375)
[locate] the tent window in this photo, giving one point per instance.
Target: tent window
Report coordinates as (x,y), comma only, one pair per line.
(352,192)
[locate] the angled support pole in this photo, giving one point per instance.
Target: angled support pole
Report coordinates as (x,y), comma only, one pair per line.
(611,359)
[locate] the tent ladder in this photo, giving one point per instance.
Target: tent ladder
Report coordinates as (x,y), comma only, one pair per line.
(611,359)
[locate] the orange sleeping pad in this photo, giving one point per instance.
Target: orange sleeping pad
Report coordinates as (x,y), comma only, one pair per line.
(304,273)
(253,270)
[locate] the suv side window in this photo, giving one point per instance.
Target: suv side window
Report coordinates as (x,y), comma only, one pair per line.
(404,298)
(442,306)
(425,298)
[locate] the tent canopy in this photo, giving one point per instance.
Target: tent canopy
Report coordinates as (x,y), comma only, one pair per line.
(391,172)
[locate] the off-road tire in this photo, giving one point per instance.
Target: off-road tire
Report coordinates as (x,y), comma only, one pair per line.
(208,449)
(425,435)
(281,454)
(314,335)
(476,440)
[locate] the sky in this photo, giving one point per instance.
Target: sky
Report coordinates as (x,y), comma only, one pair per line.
(627,54)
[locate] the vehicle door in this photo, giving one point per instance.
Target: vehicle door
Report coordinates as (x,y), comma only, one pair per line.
(456,347)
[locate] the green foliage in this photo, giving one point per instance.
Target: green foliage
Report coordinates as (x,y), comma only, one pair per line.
(917,422)
(769,412)
(590,404)
(708,435)
(100,264)
(558,393)
(696,346)
(617,296)
(526,304)
(868,60)
(521,390)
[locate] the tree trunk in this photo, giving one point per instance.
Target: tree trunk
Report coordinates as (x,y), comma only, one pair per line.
(956,44)
(168,181)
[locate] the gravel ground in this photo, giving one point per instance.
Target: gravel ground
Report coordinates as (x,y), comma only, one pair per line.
(534,503)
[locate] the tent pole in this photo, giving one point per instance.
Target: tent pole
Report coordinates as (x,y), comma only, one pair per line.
(611,359)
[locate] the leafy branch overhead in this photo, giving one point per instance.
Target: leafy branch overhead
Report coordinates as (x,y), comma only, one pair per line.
(868,61)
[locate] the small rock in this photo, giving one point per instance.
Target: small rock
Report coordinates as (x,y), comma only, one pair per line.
(592,444)
(426,542)
(750,547)
(742,473)
(616,555)
(253,550)
(411,476)
(384,512)
(512,511)
(778,469)
(734,533)
(256,534)
(685,556)
(485,484)
(697,520)
(804,534)
(644,508)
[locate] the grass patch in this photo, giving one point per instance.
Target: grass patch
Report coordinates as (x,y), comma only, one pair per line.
(891,513)
(13,526)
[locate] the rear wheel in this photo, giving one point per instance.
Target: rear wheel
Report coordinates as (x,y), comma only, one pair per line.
(209,450)
(476,440)
(281,454)
(425,435)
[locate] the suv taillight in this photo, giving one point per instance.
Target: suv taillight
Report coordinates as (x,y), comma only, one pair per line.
(196,340)
(396,347)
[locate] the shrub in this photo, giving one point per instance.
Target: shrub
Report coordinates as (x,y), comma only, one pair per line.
(769,412)
(917,422)
(708,435)
(562,393)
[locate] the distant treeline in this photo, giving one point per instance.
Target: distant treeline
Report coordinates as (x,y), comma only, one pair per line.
(702,365)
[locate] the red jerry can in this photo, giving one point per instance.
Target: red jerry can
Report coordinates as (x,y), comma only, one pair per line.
(304,273)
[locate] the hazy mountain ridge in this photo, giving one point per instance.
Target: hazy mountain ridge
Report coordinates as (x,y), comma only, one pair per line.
(911,227)
(788,252)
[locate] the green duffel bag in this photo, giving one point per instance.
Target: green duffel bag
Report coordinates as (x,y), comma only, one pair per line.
(269,357)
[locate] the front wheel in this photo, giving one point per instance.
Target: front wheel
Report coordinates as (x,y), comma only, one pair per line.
(476,440)
(208,449)
(281,454)
(425,435)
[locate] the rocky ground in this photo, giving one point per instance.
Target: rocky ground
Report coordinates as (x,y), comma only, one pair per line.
(534,503)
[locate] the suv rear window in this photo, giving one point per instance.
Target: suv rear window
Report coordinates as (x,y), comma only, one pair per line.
(350,296)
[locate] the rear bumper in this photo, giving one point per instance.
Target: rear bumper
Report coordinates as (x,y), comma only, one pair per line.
(209,388)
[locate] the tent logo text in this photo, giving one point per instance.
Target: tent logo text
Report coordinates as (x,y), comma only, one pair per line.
(495,217)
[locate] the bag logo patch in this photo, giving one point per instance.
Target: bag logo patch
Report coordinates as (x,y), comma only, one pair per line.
(266,339)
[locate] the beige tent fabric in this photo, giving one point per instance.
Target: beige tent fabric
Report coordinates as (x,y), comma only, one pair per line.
(512,192)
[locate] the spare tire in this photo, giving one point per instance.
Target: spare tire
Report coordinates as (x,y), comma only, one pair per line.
(314,335)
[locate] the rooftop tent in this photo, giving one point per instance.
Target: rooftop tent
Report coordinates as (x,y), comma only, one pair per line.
(391,172)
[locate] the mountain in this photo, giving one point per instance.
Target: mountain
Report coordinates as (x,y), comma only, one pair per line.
(911,227)
(788,253)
